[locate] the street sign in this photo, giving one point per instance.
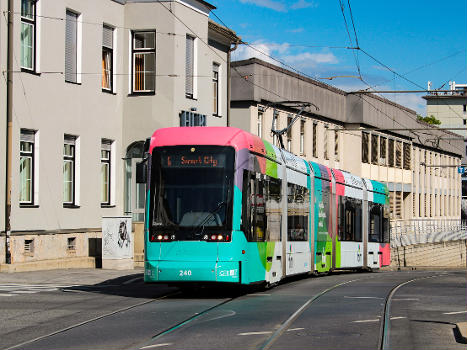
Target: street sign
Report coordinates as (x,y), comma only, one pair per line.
(461,170)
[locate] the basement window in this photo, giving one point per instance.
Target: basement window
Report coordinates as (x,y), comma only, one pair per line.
(29,246)
(71,243)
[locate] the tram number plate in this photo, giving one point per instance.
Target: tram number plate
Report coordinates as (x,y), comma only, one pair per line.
(183,273)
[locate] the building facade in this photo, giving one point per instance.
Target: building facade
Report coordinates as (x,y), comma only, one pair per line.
(364,134)
(450,108)
(91,81)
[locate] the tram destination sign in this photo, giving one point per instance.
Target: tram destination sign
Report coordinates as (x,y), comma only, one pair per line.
(194,160)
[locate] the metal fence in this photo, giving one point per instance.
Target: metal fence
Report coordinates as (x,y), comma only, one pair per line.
(422,231)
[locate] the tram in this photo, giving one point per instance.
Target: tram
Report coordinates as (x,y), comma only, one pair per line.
(224,205)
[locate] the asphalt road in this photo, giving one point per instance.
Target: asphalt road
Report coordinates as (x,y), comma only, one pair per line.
(339,311)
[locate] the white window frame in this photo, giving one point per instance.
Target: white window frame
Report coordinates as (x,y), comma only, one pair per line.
(75,170)
(33,23)
(34,167)
(133,52)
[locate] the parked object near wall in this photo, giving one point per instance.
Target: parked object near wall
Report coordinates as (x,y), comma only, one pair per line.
(117,243)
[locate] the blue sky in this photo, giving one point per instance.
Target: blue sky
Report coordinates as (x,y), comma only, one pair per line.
(420,40)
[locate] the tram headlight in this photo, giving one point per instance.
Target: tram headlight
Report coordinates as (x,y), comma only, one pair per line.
(159,237)
(220,238)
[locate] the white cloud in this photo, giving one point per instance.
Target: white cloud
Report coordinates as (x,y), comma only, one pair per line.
(271,4)
(307,59)
(412,101)
(261,50)
(302,4)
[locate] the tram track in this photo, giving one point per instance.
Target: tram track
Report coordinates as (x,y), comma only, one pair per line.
(272,336)
(385,325)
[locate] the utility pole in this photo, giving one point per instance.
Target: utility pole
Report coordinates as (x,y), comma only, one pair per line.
(9,127)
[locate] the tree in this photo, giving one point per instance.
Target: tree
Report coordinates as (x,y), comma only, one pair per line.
(430,120)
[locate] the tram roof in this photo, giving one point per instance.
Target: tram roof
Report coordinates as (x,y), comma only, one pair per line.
(216,136)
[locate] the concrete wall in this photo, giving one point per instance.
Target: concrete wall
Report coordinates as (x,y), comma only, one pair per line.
(452,254)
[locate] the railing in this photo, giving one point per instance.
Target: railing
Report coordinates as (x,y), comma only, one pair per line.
(422,231)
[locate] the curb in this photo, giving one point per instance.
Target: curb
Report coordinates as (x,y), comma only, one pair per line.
(462,328)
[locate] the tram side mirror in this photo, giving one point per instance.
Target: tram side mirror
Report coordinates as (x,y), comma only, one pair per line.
(147,144)
(141,172)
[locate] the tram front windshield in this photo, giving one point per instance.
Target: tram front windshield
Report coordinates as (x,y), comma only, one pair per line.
(192,187)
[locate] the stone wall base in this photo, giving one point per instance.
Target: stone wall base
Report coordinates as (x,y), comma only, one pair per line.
(63,263)
(442,254)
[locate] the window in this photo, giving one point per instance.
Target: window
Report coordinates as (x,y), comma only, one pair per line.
(105,171)
(215,88)
(26,167)
(302,137)
(28,34)
(289,133)
(259,124)
(350,219)
(189,66)
(69,162)
(315,140)
(29,246)
(374,149)
(107,58)
(407,156)
(298,204)
(261,207)
(275,125)
(398,154)
(144,62)
(382,150)
(71,243)
(365,147)
(326,154)
(71,47)
(336,145)
(390,152)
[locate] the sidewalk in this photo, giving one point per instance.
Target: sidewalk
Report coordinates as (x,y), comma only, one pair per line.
(69,276)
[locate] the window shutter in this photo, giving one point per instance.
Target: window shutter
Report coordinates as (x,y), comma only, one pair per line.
(107,37)
(71,41)
(189,65)
(69,139)
(27,135)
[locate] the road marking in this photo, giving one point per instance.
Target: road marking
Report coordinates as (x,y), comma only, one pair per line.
(155,346)
(362,297)
(7,295)
(397,318)
(24,291)
(255,333)
(365,321)
(132,280)
(294,329)
(454,312)
(406,299)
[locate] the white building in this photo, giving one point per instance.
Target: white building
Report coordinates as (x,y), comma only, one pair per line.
(364,134)
(91,81)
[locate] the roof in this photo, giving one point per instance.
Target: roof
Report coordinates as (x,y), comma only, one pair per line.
(224,31)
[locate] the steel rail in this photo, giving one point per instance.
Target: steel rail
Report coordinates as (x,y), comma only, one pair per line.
(385,326)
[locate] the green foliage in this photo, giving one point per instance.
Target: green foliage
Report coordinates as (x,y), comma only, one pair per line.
(430,120)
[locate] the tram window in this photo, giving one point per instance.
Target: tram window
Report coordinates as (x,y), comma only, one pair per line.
(386,229)
(273,209)
(253,207)
(350,227)
(298,203)
(375,224)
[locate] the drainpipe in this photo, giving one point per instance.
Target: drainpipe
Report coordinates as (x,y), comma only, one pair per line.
(9,127)
(229,78)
